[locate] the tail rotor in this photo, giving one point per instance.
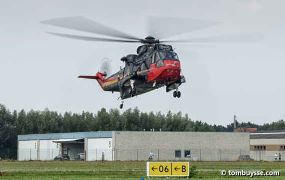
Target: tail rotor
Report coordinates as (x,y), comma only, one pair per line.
(106,66)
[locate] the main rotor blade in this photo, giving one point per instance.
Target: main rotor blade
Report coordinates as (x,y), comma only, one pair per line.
(87,38)
(87,25)
(222,39)
(165,27)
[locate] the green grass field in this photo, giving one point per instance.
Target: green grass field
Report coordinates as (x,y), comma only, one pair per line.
(123,170)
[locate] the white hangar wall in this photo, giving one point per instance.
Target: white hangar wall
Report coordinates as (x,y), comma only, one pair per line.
(37,150)
(203,146)
(27,150)
(48,149)
(98,149)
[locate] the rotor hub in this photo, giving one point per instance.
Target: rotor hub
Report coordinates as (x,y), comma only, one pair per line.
(149,40)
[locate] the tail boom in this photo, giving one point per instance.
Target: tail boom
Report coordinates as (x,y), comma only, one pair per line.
(100,77)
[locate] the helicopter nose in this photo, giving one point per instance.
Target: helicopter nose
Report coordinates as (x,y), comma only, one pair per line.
(172,64)
(168,71)
(172,69)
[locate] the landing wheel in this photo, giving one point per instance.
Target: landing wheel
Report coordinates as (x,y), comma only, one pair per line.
(178,94)
(174,93)
(122,105)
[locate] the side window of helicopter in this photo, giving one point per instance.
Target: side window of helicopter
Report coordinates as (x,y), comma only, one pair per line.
(159,63)
(162,55)
(175,56)
(143,66)
(166,55)
(169,55)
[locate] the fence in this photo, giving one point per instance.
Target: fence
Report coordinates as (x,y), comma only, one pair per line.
(136,154)
(262,155)
(180,154)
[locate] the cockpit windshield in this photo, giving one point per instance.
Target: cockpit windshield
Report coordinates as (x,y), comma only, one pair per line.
(168,55)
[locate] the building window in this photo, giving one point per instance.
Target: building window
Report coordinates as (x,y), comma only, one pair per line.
(187,153)
(282,148)
(178,153)
(260,148)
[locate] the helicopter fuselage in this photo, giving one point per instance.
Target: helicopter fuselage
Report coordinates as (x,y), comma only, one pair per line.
(155,67)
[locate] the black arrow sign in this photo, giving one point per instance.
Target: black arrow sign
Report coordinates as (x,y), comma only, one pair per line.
(153,168)
(176,168)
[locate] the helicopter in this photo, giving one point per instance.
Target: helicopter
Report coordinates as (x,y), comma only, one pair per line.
(155,63)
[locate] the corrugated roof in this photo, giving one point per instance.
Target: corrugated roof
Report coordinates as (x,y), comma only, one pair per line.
(73,135)
(271,131)
(276,135)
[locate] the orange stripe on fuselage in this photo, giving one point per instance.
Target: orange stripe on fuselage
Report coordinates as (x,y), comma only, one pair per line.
(110,82)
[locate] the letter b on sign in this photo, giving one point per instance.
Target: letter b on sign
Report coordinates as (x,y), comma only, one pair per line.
(183,168)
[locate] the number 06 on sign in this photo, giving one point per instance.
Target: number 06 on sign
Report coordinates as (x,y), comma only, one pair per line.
(167,168)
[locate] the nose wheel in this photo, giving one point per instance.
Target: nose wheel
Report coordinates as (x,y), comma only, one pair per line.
(176,94)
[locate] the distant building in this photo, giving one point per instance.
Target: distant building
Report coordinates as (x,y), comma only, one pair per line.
(242,129)
(134,145)
(265,145)
(249,130)
(96,145)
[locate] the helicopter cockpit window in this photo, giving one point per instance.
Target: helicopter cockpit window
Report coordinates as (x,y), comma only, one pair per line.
(157,60)
(159,63)
(168,55)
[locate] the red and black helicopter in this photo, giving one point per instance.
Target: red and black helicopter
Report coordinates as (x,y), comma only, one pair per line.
(154,65)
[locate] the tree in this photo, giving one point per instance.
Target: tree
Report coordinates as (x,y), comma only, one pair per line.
(103,120)
(8,134)
(132,120)
(46,121)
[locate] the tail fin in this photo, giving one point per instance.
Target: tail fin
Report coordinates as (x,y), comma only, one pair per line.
(100,77)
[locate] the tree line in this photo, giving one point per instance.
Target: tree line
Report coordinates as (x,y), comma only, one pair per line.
(46,121)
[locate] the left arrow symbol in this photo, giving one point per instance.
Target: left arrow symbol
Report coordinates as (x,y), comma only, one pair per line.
(176,168)
(153,168)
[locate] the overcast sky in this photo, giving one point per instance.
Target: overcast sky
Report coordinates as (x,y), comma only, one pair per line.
(38,70)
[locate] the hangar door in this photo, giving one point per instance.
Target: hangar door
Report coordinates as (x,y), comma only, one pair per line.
(71,148)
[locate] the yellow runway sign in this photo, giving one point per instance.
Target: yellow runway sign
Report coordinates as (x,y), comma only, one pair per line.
(167,168)
(180,168)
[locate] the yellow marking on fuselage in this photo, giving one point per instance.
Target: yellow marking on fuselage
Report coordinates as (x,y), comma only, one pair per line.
(110,82)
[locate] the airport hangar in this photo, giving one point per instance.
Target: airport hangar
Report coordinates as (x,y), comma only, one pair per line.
(135,145)
(264,146)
